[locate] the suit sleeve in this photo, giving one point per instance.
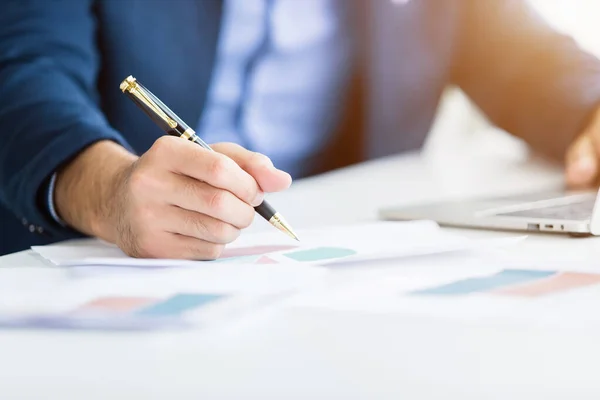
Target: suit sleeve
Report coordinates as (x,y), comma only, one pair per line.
(527,78)
(48,101)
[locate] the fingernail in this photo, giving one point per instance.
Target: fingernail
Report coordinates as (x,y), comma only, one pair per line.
(258,199)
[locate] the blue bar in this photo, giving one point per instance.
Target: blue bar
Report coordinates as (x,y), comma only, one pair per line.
(484,284)
(178,304)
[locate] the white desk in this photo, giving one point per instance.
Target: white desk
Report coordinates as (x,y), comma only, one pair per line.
(330,355)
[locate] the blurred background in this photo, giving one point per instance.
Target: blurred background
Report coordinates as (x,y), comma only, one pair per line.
(459,125)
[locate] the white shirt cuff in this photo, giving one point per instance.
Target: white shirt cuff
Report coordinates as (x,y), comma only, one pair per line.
(51,205)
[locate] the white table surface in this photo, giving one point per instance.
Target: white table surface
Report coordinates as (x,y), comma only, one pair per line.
(302,354)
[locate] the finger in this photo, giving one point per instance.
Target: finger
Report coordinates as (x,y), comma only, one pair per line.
(200,197)
(582,162)
(269,178)
(174,246)
(186,158)
(198,226)
(194,249)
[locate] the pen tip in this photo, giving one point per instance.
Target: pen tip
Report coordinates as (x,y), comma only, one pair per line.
(288,230)
(280,223)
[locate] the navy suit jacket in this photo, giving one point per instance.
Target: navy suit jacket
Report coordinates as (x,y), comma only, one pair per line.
(61,62)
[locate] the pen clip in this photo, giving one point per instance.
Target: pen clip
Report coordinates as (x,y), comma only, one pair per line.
(130,85)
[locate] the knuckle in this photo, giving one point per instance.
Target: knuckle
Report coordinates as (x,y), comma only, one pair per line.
(218,168)
(260,160)
(224,233)
(247,217)
(217,201)
(213,251)
(163,144)
(219,231)
(250,192)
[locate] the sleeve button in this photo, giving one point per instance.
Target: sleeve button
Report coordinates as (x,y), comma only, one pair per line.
(24,221)
(40,229)
(31,228)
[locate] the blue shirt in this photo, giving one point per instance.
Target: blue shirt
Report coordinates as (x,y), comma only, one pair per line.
(276,86)
(280,71)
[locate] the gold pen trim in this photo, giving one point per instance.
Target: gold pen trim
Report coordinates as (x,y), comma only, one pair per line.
(130,85)
(127,83)
(188,134)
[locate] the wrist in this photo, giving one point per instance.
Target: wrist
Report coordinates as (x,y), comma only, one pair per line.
(108,206)
(86,193)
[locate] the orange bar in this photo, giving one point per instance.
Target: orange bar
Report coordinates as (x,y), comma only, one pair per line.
(117,304)
(555,284)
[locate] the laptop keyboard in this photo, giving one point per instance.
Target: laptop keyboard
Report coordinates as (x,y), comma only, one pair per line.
(579,211)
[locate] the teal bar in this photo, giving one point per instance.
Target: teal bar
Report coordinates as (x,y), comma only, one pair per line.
(178,304)
(238,260)
(320,254)
(484,284)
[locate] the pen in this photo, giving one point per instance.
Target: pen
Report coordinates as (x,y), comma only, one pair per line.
(173,125)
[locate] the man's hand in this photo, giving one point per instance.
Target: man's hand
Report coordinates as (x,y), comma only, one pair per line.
(177,200)
(583,157)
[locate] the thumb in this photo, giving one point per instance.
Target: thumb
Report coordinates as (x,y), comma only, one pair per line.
(269,178)
(581,162)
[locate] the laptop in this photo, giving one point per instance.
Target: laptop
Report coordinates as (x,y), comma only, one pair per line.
(575,213)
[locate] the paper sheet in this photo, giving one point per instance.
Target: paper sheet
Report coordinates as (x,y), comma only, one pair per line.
(478,288)
(256,271)
(173,298)
(332,246)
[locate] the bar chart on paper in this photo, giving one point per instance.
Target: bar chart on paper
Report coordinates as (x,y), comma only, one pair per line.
(521,283)
(277,254)
(171,306)
(118,313)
